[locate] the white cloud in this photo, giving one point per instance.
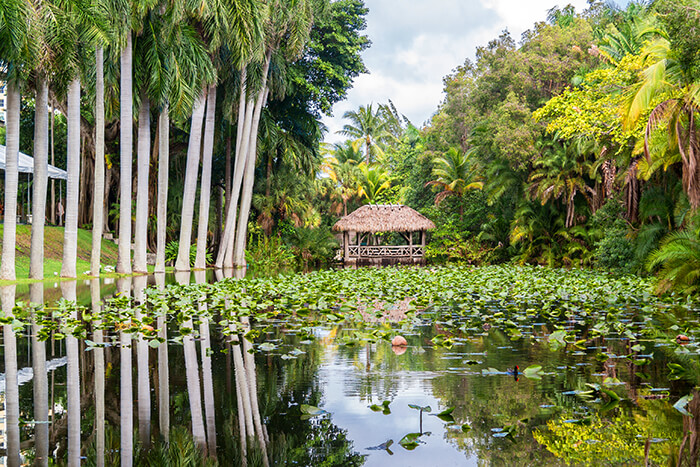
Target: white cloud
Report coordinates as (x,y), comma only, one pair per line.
(418,42)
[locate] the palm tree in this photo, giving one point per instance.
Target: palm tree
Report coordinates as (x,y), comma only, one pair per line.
(204,193)
(246,37)
(373,182)
(454,173)
(41,160)
(288,24)
(174,62)
(679,259)
(126,115)
(370,127)
(182,263)
(70,233)
(666,77)
(143,154)
(15,42)
(98,208)
(561,173)
(7,269)
(627,34)
(163,168)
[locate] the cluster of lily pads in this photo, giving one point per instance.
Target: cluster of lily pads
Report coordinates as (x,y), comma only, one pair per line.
(462,300)
(503,296)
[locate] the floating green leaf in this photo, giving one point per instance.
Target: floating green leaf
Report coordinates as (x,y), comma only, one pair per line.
(533,372)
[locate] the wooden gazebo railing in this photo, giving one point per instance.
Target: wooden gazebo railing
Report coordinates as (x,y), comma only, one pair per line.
(389,251)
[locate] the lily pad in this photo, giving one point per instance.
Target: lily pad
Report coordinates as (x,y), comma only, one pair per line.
(311,410)
(533,372)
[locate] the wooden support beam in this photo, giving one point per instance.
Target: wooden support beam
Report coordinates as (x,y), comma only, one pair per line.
(346,246)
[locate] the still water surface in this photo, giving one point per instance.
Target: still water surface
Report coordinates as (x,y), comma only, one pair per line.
(144,404)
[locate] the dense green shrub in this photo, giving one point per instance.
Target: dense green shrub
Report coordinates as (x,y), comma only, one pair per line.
(171,249)
(613,249)
(269,254)
(448,243)
(312,246)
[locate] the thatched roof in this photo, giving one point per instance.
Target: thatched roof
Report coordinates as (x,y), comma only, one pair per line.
(384,218)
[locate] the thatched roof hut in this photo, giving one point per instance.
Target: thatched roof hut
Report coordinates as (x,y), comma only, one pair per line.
(384,218)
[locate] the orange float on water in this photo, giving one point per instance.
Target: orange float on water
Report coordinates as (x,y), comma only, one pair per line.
(399,341)
(682,339)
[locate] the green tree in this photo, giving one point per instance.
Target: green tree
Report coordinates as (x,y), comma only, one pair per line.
(373,182)
(454,173)
(369,126)
(670,86)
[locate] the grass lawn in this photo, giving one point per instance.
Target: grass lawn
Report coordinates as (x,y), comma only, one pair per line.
(53,251)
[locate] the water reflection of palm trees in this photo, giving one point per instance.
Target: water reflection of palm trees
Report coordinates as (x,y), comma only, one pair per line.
(41,383)
(192,371)
(207,378)
(142,368)
(68,290)
(126,391)
(163,370)
(11,384)
(99,357)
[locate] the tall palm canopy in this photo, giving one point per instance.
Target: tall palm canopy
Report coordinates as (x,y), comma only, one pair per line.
(370,127)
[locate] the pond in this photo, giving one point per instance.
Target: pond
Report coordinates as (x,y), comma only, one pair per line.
(300,370)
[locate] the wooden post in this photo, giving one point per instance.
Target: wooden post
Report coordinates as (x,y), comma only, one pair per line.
(422,243)
(410,244)
(346,246)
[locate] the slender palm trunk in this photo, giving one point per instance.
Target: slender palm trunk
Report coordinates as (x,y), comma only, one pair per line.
(41,161)
(11,384)
(205,190)
(224,257)
(248,181)
(163,371)
(9,234)
(368,145)
(68,290)
(228,173)
(125,155)
(99,191)
(182,263)
(143,382)
(163,168)
(41,382)
(99,355)
(126,390)
(142,163)
(53,162)
(70,232)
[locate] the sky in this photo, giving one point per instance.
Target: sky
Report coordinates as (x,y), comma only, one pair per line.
(416,43)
